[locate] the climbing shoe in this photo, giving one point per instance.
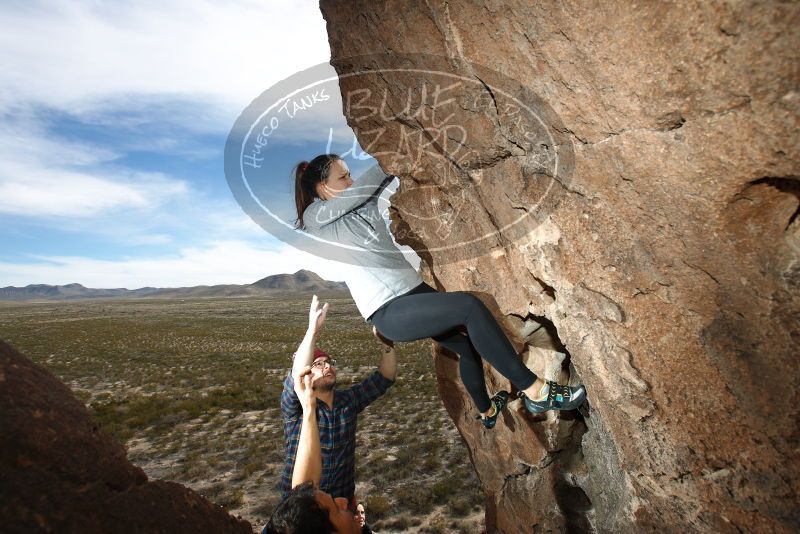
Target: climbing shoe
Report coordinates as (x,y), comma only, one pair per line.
(558,398)
(499,399)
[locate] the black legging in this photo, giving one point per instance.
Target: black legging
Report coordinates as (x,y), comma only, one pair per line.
(425,312)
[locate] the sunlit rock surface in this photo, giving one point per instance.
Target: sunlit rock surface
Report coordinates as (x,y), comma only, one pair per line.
(659,252)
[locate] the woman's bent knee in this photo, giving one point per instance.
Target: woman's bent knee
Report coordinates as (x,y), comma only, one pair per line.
(469,303)
(465,300)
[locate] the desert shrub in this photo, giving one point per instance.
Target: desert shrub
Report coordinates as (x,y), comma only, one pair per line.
(264,510)
(379,479)
(193,465)
(377,506)
(432,446)
(460,527)
(371,466)
(401,522)
(276,455)
(402,438)
(83,395)
(251,467)
(459,507)
(436,526)
(455,460)
(213,491)
(445,488)
(410,452)
(231,499)
(413,498)
(430,463)
(476,497)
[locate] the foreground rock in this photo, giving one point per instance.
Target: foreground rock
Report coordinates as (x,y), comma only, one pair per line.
(60,473)
(646,226)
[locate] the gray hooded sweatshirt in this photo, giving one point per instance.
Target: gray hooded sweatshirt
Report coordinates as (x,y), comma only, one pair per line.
(378,272)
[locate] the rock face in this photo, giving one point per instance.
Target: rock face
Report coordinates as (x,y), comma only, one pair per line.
(60,473)
(620,185)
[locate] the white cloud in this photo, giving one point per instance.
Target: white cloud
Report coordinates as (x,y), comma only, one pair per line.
(67,194)
(43,176)
(72,56)
(80,188)
(24,138)
(222,262)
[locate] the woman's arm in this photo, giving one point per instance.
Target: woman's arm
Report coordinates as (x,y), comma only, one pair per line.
(369,185)
(308,461)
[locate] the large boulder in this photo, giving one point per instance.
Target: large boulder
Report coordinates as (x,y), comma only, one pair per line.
(619,183)
(61,473)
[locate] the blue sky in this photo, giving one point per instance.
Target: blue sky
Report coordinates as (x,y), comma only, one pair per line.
(113,121)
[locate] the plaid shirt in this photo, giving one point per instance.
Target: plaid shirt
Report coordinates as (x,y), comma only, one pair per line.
(337,432)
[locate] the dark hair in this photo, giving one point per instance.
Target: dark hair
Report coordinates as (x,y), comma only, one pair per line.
(299,513)
(307,174)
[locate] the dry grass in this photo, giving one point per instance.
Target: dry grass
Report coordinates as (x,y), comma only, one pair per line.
(192,387)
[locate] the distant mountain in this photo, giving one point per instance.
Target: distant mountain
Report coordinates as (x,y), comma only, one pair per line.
(44,291)
(300,282)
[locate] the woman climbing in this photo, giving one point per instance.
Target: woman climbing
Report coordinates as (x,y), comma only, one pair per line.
(392,297)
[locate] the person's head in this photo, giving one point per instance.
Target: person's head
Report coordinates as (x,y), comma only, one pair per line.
(361,514)
(323,371)
(307,509)
(324,177)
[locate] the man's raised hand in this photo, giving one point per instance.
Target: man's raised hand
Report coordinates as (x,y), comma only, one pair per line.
(305,352)
(316,315)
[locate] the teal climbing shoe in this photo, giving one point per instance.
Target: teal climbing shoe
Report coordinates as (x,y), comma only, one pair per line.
(499,399)
(558,398)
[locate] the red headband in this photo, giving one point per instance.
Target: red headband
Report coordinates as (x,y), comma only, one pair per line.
(303,166)
(317,354)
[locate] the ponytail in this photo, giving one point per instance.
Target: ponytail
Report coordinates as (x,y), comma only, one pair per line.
(307,174)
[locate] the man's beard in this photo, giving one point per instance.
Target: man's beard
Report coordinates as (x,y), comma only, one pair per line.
(319,386)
